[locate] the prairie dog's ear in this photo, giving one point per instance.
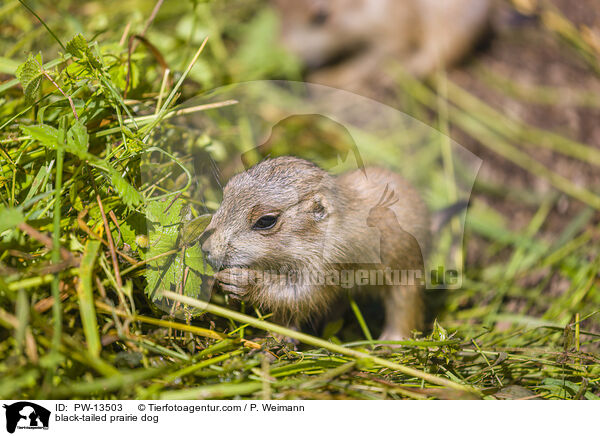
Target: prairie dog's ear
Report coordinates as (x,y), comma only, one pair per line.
(319,207)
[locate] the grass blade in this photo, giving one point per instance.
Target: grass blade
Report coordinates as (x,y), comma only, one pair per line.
(86,297)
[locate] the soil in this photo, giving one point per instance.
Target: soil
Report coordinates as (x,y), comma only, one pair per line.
(523,50)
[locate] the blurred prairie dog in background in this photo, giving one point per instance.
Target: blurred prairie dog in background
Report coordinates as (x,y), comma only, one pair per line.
(348,43)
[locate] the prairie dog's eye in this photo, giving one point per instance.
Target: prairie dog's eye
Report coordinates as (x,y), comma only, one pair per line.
(265,222)
(319,17)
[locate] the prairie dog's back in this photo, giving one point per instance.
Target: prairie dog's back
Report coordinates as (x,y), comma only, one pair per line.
(410,213)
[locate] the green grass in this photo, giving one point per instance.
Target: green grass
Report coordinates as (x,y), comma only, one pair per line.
(79,219)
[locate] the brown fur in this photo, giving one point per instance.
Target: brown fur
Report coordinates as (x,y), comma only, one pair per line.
(369,219)
(423,35)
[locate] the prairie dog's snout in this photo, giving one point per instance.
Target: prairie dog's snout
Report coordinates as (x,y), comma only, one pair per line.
(212,256)
(287,217)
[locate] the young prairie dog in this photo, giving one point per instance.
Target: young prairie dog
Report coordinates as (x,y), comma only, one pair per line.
(349,42)
(291,238)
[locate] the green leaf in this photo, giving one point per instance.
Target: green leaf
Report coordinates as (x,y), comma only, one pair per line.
(77,137)
(191,230)
(79,48)
(10,218)
(332,328)
(30,75)
(132,228)
(164,213)
(439,333)
(44,134)
(195,260)
(39,180)
(48,136)
(128,193)
(564,388)
(86,298)
(193,285)
(184,267)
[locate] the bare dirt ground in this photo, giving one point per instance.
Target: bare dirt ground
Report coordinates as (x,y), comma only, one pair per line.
(524,51)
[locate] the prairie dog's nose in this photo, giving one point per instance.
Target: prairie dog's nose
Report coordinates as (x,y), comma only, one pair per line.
(207,245)
(211,252)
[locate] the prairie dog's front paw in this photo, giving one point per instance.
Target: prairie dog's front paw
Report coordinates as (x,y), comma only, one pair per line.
(236,281)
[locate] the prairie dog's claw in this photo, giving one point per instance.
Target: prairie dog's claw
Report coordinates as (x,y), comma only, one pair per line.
(233,291)
(236,281)
(236,276)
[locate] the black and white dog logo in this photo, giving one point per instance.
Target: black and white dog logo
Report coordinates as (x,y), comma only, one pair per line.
(26,415)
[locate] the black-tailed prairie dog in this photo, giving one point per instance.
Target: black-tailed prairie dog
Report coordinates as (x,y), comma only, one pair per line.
(291,238)
(350,43)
